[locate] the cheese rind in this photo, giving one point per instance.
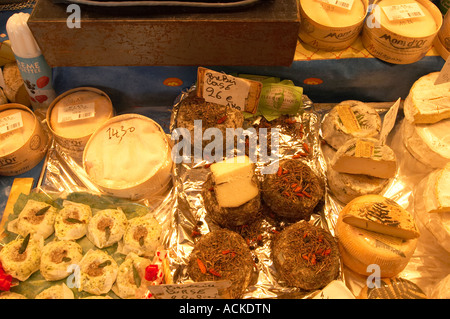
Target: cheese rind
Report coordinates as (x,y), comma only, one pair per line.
(381,215)
(426,102)
(366,156)
(336,129)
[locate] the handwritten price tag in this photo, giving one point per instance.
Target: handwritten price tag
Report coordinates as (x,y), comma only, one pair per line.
(389,121)
(197,290)
(224,89)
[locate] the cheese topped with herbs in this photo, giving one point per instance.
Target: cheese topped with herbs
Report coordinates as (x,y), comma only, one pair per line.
(129,150)
(408,18)
(334,13)
(365,156)
(16,128)
(98,272)
(350,119)
(79,114)
(426,102)
(233,179)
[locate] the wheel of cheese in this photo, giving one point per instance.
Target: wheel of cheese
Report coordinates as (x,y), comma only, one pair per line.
(361,248)
(393,288)
(346,187)
(428,143)
(432,206)
(426,102)
(350,119)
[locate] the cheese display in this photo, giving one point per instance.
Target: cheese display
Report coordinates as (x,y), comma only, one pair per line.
(56,258)
(432,205)
(142,236)
(98,272)
(22,257)
(37,218)
(231,192)
(401,31)
(331,25)
(293,191)
(381,215)
(393,288)
(428,143)
(74,115)
(107,227)
(23,142)
(360,247)
(366,156)
(222,255)
(144,166)
(427,103)
(306,256)
(346,187)
(348,120)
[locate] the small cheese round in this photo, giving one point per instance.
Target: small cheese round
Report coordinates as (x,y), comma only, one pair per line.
(36,218)
(18,264)
(98,272)
(107,227)
(350,119)
(426,102)
(97,109)
(11,295)
(56,258)
(56,292)
(428,143)
(142,236)
(72,220)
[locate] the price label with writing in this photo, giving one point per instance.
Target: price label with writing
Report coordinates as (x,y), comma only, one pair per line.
(444,74)
(197,290)
(403,11)
(389,121)
(10,122)
(224,89)
(76,112)
(344,4)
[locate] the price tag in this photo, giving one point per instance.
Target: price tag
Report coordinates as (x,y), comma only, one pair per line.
(197,290)
(344,4)
(76,112)
(403,11)
(444,75)
(224,89)
(10,122)
(389,121)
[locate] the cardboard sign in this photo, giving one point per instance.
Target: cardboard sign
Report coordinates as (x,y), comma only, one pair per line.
(225,89)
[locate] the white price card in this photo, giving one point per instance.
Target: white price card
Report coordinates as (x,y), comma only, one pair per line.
(10,123)
(344,4)
(389,121)
(196,290)
(403,11)
(224,89)
(444,74)
(76,112)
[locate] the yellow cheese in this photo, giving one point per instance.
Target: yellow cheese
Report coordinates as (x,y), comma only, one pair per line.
(14,138)
(333,16)
(233,179)
(79,114)
(361,248)
(420,26)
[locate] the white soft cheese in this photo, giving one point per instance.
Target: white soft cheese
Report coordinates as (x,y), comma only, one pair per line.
(16,129)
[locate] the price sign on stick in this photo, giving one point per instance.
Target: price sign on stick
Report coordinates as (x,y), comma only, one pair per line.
(444,75)
(196,290)
(225,89)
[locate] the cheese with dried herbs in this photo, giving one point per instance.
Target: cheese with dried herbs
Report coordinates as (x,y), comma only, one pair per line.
(366,156)
(350,119)
(381,215)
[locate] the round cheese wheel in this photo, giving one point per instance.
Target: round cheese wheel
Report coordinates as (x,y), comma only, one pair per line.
(361,248)
(348,120)
(11,139)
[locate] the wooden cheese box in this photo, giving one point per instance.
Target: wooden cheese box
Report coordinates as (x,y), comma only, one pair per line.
(264,33)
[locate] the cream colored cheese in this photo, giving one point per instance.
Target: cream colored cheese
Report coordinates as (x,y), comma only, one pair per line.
(421,26)
(13,139)
(68,120)
(334,16)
